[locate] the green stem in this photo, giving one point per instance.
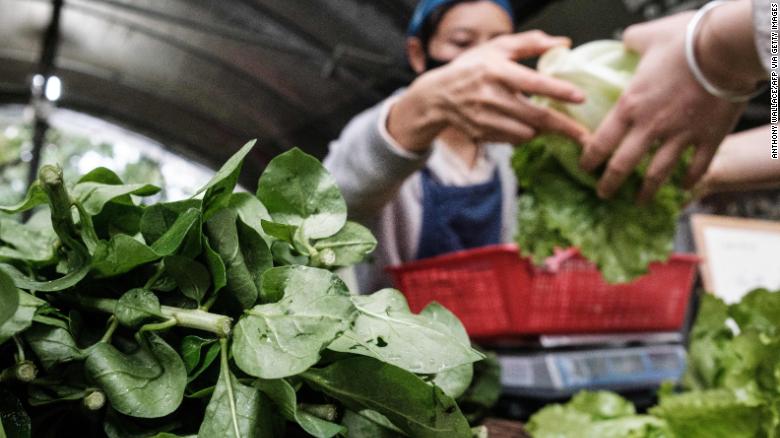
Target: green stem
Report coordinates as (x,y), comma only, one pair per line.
(157,326)
(221,325)
(24,371)
(327,412)
(19,349)
(225,370)
(113,323)
(210,302)
(153,279)
(94,400)
(60,205)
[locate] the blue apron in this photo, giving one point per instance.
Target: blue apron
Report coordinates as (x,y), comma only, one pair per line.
(459,217)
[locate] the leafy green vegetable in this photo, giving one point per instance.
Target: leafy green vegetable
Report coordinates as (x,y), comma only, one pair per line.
(53,345)
(22,316)
(220,188)
(26,242)
(559,206)
(308,309)
(454,381)
(299,191)
(191,277)
(138,306)
(362,427)
(244,253)
(94,196)
(347,247)
(419,409)
(9,296)
(35,196)
(284,396)
(732,383)
(387,330)
(148,383)
(226,276)
(236,410)
(596,414)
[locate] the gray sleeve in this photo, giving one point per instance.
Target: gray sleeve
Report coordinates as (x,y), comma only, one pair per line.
(761,29)
(368,168)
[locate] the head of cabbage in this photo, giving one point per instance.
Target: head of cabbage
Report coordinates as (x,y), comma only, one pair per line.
(558,206)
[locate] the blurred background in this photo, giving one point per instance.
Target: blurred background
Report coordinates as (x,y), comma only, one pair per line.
(164,91)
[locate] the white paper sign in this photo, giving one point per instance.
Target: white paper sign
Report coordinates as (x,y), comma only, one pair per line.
(739,255)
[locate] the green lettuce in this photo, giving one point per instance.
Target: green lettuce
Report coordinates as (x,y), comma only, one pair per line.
(559,208)
(599,414)
(731,384)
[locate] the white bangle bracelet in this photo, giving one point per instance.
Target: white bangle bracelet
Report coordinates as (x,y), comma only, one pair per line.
(693,66)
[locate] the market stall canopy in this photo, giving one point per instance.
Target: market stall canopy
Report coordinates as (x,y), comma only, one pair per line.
(204,76)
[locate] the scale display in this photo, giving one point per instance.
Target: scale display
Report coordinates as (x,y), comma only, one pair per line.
(565,372)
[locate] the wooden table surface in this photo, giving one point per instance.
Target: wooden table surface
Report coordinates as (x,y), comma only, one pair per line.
(498,428)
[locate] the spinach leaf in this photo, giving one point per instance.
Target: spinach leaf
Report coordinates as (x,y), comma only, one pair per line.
(419,409)
(285,398)
(453,381)
(102,175)
(9,296)
(148,383)
(191,277)
(245,254)
(297,190)
(308,309)
(14,421)
(26,243)
(347,247)
(68,280)
(35,196)
(220,188)
(251,211)
(283,232)
(236,410)
(170,241)
(283,254)
(93,196)
(191,347)
(216,267)
(360,426)
(22,317)
(136,307)
(52,345)
(190,350)
(119,255)
(159,218)
(386,329)
(484,391)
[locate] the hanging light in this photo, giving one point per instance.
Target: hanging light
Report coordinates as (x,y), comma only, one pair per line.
(53,89)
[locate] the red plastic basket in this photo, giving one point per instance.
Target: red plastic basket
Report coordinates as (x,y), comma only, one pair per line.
(496,293)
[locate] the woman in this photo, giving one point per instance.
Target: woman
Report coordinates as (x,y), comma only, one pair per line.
(428,168)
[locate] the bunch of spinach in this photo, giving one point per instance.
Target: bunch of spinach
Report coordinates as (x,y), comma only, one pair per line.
(213,316)
(731,384)
(558,206)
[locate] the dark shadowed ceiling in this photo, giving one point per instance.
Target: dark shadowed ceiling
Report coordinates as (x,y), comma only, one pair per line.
(204,76)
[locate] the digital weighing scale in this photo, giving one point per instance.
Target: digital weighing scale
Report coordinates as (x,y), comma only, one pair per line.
(563,365)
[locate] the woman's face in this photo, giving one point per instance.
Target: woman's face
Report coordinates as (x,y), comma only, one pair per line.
(467,25)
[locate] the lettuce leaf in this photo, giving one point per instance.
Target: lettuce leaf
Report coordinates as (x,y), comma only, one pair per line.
(596,414)
(559,206)
(732,384)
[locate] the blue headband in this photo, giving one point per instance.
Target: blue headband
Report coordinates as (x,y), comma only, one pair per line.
(426,7)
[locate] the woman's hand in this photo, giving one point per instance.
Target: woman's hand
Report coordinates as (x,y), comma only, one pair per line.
(481,93)
(665,106)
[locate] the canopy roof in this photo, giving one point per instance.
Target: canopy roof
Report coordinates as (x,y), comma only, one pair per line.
(205,76)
